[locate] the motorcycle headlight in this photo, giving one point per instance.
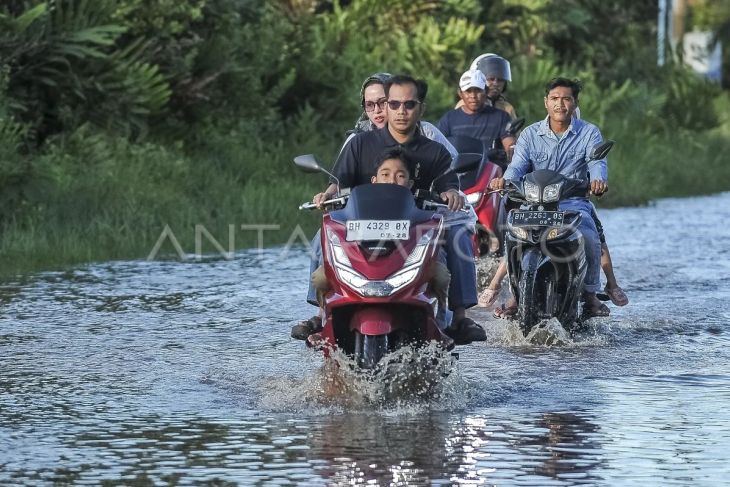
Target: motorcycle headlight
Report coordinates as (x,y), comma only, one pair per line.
(474,198)
(396,281)
(532,192)
(352,278)
(554,233)
(419,250)
(551,192)
(338,253)
(400,279)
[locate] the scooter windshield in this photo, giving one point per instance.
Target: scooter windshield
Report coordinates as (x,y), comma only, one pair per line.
(381,202)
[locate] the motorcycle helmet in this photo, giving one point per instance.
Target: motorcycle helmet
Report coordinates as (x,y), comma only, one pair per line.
(493,66)
(380,78)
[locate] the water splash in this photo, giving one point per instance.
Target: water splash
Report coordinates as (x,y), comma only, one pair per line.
(410,379)
(548,333)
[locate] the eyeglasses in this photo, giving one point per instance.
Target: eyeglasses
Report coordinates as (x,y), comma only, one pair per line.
(408,104)
(370,105)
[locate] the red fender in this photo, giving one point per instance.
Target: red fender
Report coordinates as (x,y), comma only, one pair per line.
(372,321)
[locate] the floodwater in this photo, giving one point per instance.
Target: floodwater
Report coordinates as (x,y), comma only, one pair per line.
(179,373)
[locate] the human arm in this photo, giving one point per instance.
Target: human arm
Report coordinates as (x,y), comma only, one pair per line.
(344,170)
(447,186)
(331,190)
(597,169)
(520,164)
(453,198)
(509,146)
(328,193)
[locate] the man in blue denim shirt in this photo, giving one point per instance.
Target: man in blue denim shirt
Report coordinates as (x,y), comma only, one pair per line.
(563,143)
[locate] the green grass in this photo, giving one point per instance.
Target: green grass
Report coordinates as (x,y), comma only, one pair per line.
(104,198)
(109,199)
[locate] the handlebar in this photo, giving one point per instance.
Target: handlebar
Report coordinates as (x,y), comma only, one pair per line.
(311,206)
(434,205)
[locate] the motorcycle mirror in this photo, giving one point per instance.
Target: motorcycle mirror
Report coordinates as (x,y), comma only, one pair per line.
(601,150)
(308,163)
(515,125)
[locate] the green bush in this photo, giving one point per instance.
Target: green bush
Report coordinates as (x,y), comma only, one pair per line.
(120,118)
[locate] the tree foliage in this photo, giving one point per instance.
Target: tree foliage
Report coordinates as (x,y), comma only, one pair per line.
(67,65)
(235,76)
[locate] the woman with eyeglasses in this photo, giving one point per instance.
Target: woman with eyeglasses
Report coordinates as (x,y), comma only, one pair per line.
(374,115)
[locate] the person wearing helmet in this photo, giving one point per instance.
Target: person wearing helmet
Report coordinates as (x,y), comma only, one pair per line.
(498,74)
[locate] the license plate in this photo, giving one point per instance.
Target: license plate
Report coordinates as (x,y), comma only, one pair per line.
(358,230)
(537,218)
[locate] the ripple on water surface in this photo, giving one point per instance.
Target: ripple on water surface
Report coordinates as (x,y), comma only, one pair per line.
(183,373)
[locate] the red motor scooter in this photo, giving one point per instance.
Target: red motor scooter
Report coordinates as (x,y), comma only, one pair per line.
(489,237)
(379,247)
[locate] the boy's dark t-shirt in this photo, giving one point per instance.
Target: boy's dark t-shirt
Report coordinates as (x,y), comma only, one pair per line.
(357,160)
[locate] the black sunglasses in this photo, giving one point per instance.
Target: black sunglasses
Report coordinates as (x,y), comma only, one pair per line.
(408,104)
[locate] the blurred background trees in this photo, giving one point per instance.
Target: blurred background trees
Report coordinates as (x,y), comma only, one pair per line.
(162,67)
(218,95)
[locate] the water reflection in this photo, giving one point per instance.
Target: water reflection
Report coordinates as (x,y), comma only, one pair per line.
(571,443)
(183,373)
(437,447)
(395,450)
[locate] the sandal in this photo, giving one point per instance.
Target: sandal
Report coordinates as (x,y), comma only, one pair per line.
(617,296)
(600,312)
(488,297)
(505,312)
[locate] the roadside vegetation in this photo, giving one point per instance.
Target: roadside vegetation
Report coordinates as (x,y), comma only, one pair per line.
(120,118)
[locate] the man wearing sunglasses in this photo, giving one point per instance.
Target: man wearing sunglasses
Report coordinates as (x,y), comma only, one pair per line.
(356,164)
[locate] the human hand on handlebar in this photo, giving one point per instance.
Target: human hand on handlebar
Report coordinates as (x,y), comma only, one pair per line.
(327,194)
(320,198)
(599,187)
(496,183)
(453,199)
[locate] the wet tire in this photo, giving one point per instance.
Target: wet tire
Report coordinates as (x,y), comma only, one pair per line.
(527,305)
(370,349)
(538,302)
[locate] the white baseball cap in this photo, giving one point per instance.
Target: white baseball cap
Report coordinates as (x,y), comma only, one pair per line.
(472,79)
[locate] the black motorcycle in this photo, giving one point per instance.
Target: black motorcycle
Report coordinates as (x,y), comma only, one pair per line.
(545,251)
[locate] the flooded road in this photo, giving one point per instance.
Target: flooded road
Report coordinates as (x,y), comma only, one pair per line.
(180,373)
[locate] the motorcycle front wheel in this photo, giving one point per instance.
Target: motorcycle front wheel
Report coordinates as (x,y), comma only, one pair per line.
(370,349)
(537,299)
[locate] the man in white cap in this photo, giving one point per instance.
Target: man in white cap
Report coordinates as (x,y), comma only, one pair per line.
(475,118)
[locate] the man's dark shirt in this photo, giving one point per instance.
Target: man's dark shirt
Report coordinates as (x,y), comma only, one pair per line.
(488,124)
(357,160)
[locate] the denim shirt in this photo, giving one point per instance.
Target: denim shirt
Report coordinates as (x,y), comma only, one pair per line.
(539,148)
